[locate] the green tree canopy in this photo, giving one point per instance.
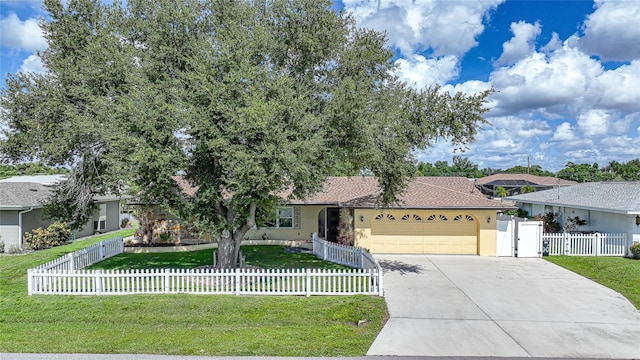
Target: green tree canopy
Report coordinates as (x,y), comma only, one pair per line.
(244,99)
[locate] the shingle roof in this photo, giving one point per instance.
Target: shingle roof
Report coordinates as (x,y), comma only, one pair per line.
(21,195)
(422,192)
(38,179)
(622,197)
(534,179)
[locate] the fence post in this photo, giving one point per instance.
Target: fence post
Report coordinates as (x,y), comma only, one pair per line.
(361,253)
(567,243)
(324,250)
(121,245)
(72,262)
(98,281)
(30,282)
(308,282)
(166,280)
(597,241)
(237,280)
(101,249)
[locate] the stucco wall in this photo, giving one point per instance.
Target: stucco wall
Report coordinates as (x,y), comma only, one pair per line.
(112,212)
(33,220)
(9,228)
(307,224)
(486,231)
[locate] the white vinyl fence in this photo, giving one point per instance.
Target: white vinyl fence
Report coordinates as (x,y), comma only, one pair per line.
(86,256)
(586,244)
(64,276)
(344,255)
(206,281)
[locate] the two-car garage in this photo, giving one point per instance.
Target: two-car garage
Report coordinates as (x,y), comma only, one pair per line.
(423,232)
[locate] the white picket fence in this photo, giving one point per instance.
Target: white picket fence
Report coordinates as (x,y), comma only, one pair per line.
(86,256)
(64,276)
(597,244)
(344,255)
(206,281)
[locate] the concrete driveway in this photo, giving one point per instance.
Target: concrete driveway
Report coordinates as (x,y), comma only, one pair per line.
(505,307)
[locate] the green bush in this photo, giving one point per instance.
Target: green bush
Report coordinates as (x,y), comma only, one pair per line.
(1,246)
(56,234)
(635,250)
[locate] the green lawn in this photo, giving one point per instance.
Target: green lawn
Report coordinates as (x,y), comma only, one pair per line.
(267,257)
(619,274)
(181,324)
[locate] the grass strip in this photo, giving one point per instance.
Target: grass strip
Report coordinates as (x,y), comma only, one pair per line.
(181,324)
(619,274)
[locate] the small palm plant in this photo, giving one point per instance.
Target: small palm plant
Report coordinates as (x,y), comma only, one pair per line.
(501,192)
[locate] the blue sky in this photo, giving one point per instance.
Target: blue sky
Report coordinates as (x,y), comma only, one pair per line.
(566,74)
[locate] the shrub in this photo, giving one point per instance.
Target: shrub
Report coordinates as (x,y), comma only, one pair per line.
(124,223)
(56,234)
(550,222)
(1,246)
(635,250)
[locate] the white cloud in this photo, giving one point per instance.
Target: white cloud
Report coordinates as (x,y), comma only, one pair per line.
(521,44)
(33,64)
(538,81)
(594,122)
(564,132)
(522,129)
(612,31)
(24,35)
(618,88)
(554,44)
(447,27)
(420,72)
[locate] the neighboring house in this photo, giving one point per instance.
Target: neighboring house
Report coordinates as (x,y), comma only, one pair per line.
(607,207)
(514,182)
(21,210)
(437,215)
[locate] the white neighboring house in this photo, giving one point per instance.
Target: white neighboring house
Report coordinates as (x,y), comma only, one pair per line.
(22,199)
(607,207)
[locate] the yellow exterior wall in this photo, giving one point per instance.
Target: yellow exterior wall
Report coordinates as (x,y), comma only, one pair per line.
(437,238)
(398,237)
(308,224)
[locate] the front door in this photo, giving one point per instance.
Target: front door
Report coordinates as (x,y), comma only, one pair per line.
(333,221)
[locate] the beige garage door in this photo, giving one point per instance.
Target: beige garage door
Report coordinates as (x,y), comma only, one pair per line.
(424,232)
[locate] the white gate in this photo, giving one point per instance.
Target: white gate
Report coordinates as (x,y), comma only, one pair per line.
(518,237)
(529,239)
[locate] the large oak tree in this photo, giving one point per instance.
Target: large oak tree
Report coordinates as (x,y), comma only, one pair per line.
(242,98)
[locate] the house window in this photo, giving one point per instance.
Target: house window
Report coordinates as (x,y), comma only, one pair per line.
(284,218)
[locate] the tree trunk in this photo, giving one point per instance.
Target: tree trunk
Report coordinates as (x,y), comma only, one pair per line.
(229,249)
(229,246)
(226,251)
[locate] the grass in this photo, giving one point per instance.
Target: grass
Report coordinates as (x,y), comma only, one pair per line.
(619,274)
(267,257)
(181,324)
